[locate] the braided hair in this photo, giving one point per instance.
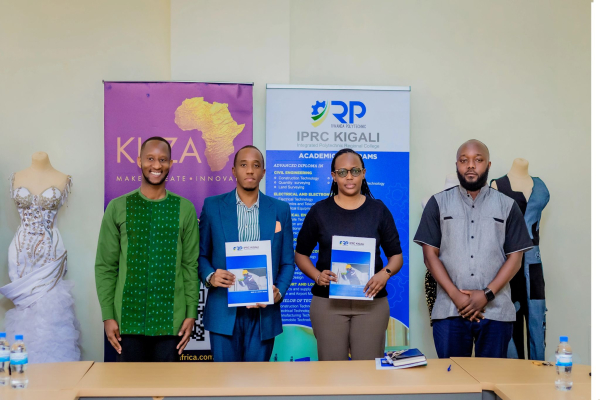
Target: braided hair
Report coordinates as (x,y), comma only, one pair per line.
(364,187)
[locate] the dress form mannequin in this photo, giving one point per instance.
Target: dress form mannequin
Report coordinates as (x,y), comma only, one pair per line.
(40,175)
(520,181)
(527,286)
(37,263)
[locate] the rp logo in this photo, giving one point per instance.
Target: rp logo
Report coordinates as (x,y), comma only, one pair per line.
(320,110)
(237,248)
(319,116)
(344,242)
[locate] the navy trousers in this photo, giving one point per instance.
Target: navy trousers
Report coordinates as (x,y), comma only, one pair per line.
(245,343)
(454,337)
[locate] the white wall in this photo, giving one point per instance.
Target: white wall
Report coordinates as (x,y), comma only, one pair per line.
(53,58)
(513,74)
(232,41)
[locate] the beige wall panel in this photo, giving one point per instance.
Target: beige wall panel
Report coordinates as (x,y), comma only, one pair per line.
(513,74)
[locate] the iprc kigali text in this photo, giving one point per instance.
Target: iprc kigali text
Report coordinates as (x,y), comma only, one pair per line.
(342,137)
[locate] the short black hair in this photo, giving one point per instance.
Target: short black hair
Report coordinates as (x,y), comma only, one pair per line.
(249,147)
(160,139)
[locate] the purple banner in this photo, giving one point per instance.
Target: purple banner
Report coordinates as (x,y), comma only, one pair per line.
(206,123)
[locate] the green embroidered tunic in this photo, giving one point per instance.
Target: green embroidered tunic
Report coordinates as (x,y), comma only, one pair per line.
(147,263)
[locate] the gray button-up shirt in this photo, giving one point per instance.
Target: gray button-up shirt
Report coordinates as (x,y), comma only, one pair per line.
(474,238)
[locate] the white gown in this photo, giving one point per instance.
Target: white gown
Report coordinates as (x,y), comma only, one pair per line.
(44,310)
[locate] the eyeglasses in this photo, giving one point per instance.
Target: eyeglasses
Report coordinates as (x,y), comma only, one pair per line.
(342,172)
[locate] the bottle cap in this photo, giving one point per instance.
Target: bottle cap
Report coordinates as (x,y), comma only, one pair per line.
(2,334)
(18,337)
(564,339)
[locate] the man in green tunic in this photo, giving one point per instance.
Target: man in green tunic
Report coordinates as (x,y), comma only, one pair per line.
(147,265)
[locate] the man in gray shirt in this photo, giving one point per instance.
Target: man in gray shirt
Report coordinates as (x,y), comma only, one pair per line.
(473,238)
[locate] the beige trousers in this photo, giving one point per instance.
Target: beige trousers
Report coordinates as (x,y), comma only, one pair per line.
(349,326)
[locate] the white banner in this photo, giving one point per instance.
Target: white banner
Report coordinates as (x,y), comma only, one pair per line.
(316,119)
(306,126)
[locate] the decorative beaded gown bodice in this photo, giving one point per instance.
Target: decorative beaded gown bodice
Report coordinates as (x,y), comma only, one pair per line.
(37,263)
(37,250)
(37,241)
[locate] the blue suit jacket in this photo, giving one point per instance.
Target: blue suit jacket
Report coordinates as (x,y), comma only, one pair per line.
(218,225)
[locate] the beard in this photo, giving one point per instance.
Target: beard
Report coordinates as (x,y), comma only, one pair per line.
(249,189)
(473,186)
(156,184)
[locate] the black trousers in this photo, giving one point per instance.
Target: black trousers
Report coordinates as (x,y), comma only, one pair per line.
(140,348)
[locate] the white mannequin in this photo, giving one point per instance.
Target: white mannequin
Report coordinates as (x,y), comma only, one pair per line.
(451,181)
(40,176)
(37,263)
(519,178)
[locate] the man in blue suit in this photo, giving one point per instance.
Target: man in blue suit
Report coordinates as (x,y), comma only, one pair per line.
(244,214)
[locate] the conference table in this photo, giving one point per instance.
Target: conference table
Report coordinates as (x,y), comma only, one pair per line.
(509,379)
(449,379)
(51,381)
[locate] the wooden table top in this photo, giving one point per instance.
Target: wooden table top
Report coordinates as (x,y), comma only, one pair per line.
(56,376)
(36,394)
(510,379)
(545,391)
(51,381)
(495,371)
(274,378)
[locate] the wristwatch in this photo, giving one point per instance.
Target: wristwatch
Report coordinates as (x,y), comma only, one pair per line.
(389,272)
(207,283)
(489,295)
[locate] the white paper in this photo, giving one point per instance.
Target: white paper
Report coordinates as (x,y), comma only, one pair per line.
(353,261)
(250,262)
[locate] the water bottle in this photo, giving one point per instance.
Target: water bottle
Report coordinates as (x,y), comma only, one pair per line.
(18,364)
(4,360)
(564,363)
